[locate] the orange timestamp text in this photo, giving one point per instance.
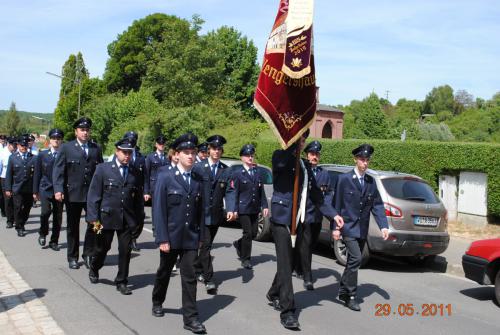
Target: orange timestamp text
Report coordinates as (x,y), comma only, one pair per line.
(424,310)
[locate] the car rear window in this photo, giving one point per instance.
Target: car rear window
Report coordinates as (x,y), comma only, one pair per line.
(410,189)
(265,175)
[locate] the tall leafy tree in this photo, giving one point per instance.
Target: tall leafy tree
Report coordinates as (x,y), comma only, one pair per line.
(372,120)
(11,121)
(130,52)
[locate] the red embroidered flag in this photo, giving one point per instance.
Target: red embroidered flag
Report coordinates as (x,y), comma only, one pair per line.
(286,91)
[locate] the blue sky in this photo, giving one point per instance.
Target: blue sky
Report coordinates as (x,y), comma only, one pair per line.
(404,47)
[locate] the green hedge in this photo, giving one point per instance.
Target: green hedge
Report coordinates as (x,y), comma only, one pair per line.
(425,159)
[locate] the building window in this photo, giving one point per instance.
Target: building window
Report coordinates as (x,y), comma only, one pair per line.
(327,130)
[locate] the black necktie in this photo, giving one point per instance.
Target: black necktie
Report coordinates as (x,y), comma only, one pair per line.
(84,148)
(214,167)
(187,177)
(315,171)
(362,182)
(124,171)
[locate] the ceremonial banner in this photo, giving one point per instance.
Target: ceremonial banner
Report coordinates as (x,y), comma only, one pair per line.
(286,91)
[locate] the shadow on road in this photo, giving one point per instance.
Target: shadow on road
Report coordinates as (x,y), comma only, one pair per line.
(482,293)
(210,307)
(12,301)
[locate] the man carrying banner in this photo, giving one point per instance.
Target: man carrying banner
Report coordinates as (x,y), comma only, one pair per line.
(283,163)
(286,97)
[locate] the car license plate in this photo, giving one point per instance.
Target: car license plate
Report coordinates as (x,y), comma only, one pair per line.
(425,221)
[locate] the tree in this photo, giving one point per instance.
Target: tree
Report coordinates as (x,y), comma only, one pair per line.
(73,72)
(11,121)
(441,101)
(235,57)
(130,52)
(372,121)
(464,99)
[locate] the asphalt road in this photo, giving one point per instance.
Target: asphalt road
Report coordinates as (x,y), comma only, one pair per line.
(240,305)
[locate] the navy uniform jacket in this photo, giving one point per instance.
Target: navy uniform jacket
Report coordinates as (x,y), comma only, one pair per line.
(245,194)
(214,190)
(72,171)
(313,215)
(42,180)
(139,163)
(355,205)
(153,163)
(283,177)
(20,172)
(178,211)
(116,203)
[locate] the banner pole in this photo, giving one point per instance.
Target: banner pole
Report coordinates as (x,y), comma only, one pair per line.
(293,230)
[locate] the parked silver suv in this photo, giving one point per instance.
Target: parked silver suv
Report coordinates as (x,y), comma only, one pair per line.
(417,218)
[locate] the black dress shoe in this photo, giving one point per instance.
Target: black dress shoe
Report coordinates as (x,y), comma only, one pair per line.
(123,289)
(247,265)
(275,302)
(10,225)
(86,261)
(196,327)
(353,305)
(73,265)
(290,322)
(158,311)
(134,246)
(308,286)
(54,246)
(211,287)
(41,240)
(238,251)
(21,232)
(93,276)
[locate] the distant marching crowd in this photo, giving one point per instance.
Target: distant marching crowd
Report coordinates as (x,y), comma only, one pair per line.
(192,192)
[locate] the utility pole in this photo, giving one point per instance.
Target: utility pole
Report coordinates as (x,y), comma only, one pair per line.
(387,95)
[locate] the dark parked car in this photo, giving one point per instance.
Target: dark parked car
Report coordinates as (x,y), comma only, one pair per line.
(481,263)
(417,218)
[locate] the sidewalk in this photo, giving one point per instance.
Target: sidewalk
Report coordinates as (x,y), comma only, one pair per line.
(21,311)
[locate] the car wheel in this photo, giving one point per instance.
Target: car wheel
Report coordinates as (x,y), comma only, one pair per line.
(497,286)
(340,251)
(264,233)
(422,261)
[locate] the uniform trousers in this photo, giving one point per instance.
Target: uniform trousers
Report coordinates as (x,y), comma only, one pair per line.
(50,206)
(188,281)
(349,279)
(204,263)
(22,208)
(103,243)
(9,205)
(249,224)
(282,287)
(2,200)
(307,237)
(73,213)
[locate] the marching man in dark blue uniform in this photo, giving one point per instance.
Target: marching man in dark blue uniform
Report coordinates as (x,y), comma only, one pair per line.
(202,152)
(280,295)
(43,189)
(4,160)
(245,199)
(72,173)
(19,183)
(139,162)
(115,203)
(356,196)
(154,161)
(308,232)
(215,179)
(178,218)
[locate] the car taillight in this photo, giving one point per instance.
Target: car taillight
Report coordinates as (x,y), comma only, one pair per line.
(392,211)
